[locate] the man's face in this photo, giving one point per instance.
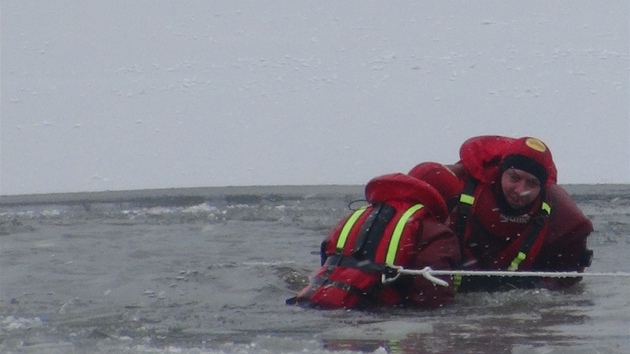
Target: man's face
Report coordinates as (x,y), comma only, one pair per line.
(519,187)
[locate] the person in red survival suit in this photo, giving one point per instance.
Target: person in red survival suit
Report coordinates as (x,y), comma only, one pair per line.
(511,215)
(403,225)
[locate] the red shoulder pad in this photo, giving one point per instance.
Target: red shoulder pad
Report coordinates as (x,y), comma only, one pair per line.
(402,187)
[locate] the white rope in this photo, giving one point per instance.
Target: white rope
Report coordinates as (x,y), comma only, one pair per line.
(429,274)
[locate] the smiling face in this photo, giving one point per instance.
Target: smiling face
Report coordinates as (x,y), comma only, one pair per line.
(519,187)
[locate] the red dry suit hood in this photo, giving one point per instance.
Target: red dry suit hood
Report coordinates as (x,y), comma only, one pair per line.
(482,156)
(402,187)
(441,178)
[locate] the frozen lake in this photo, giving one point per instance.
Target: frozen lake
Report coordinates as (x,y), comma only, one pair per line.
(208,270)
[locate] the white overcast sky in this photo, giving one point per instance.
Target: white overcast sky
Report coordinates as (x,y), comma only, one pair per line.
(117,95)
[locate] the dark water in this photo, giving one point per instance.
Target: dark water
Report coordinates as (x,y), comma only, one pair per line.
(208,270)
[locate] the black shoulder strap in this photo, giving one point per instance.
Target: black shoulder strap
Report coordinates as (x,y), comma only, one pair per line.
(372,231)
(534,230)
(533,233)
(466,201)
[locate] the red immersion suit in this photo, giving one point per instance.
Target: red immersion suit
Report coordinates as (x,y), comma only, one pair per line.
(549,234)
(403,225)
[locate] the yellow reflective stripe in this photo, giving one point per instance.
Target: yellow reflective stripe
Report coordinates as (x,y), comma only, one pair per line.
(457,281)
(398,230)
(466,198)
(546,207)
(516,261)
(393,346)
(345,231)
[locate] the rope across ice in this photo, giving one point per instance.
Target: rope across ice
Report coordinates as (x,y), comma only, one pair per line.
(430,274)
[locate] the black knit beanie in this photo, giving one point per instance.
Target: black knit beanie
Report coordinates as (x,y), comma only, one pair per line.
(526,164)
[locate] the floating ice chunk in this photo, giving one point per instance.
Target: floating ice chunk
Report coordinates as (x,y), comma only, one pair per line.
(12,323)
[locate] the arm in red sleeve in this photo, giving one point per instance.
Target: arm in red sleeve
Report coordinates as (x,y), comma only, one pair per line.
(564,249)
(567,254)
(438,249)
